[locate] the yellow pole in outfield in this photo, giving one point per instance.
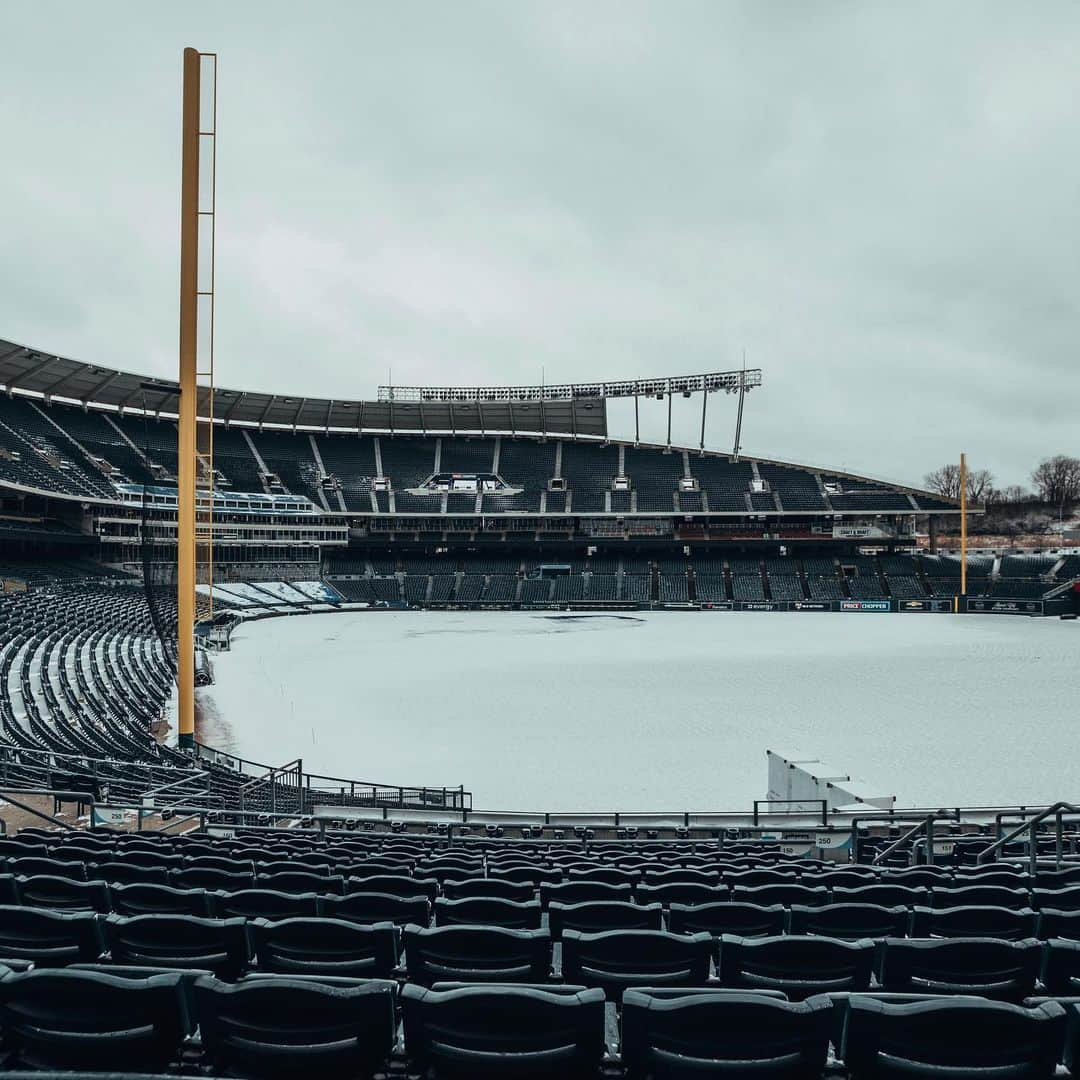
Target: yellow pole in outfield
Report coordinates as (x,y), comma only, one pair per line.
(963,524)
(186,467)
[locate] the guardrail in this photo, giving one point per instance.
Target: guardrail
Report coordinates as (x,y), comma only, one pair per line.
(1058,812)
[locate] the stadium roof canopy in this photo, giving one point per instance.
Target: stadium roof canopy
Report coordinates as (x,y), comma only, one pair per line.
(576,409)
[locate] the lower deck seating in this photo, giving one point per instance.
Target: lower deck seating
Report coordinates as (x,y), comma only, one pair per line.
(353,953)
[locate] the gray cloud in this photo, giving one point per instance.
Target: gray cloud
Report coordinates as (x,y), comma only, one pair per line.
(877,202)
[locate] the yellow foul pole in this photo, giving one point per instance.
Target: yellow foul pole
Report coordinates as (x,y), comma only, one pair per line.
(963,524)
(186,471)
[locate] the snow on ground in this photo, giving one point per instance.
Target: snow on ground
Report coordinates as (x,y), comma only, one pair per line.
(656,710)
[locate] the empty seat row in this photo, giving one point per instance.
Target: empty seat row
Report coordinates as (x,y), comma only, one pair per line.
(94,1021)
(797,964)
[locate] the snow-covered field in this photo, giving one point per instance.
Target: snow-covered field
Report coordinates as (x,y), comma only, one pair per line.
(657,711)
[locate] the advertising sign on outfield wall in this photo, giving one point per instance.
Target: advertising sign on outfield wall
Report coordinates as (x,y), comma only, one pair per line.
(759,605)
(865,605)
(939,604)
(811,605)
(1005,607)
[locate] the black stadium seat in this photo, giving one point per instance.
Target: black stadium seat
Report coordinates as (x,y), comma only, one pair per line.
(481,886)
(488,911)
(88,1020)
(63,894)
(1061,967)
(797,966)
(178,941)
(130,873)
(974,921)
(766,895)
(965,1037)
(1003,970)
(1059,924)
(992,895)
(48,938)
(394,885)
(504,1032)
(684,893)
(158,900)
(476,954)
(742,920)
(376,907)
(618,959)
(585,892)
(263,904)
(320,946)
(849,921)
(603,915)
(300,881)
(295,1027)
(686,1034)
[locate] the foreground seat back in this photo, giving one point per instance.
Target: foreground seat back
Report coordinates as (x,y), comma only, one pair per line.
(294,1027)
(1003,970)
(504,1031)
(178,941)
(724,1034)
(48,938)
(87,1020)
(618,959)
(476,954)
(318,946)
(797,966)
(965,1037)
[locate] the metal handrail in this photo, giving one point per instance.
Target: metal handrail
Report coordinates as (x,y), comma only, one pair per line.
(1031,826)
(926,825)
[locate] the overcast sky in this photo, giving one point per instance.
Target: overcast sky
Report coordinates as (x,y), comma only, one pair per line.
(878,203)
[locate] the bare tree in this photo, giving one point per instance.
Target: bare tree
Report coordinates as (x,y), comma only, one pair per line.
(946,482)
(1014,493)
(1057,480)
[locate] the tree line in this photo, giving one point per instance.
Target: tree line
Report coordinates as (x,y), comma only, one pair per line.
(1054,481)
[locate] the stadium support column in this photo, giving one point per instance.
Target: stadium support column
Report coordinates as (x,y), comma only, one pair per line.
(186,465)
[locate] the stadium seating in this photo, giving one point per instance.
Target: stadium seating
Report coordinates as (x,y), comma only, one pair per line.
(964,1037)
(503,1031)
(797,966)
(615,960)
(688,1032)
(292,1027)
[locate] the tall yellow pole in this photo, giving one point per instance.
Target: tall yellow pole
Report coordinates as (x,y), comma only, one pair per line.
(186,470)
(963,524)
